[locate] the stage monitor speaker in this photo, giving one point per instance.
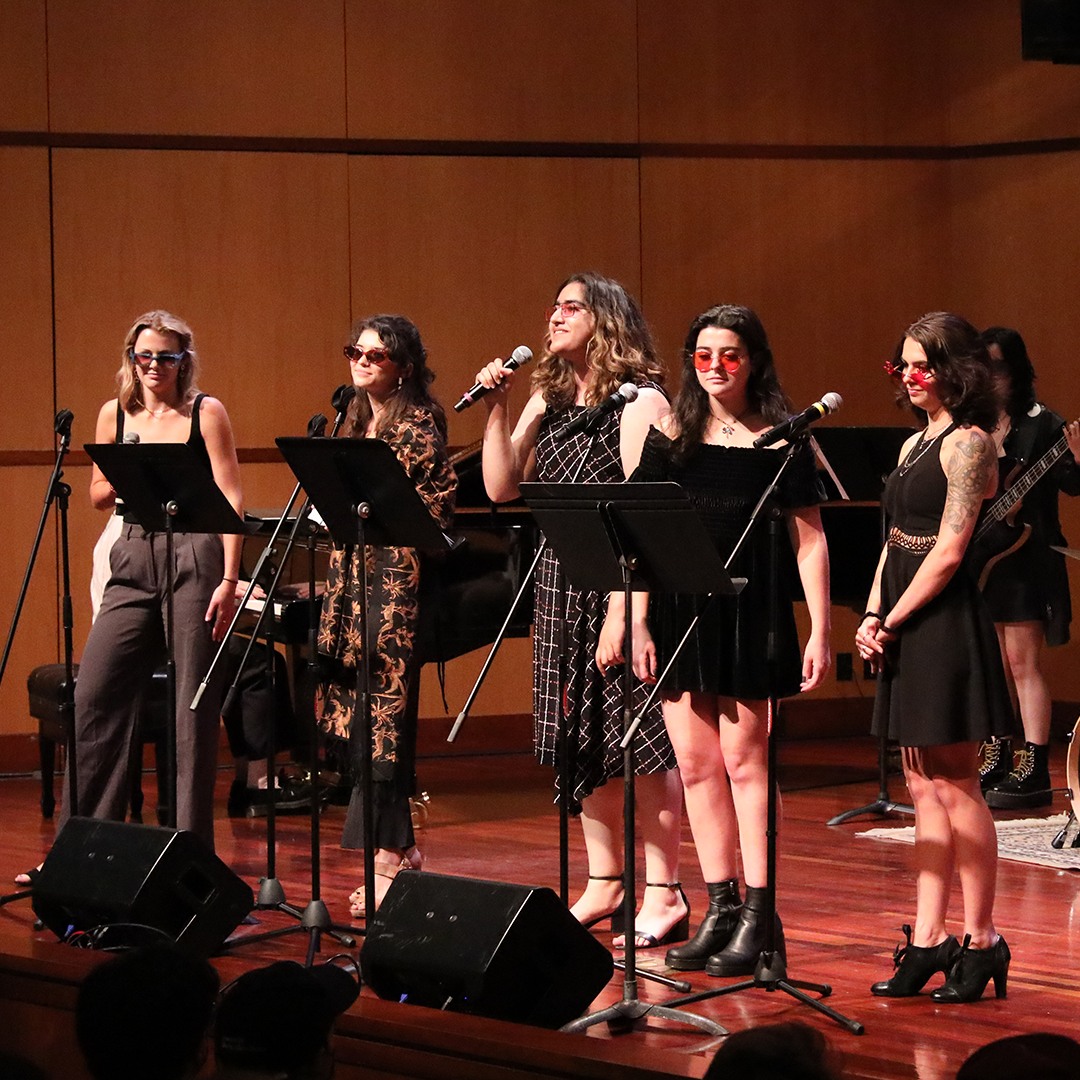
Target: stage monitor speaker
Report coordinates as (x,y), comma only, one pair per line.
(109,873)
(507,952)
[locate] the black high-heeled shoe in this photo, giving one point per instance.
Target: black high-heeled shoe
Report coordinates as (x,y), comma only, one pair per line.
(973,969)
(715,930)
(915,964)
(679,932)
(615,914)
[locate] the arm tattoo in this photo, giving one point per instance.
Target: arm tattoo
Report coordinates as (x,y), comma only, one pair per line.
(968,471)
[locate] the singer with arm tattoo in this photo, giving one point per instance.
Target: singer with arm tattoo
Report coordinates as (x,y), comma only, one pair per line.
(715,698)
(158,401)
(393,402)
(596,340)
(941,687)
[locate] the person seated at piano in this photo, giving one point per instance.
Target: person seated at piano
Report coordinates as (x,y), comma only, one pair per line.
(158,400)
(393,402)
(1027,590)
(596,340)
(715,698)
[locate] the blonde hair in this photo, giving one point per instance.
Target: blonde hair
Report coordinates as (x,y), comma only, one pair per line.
(620,350)
(128,387)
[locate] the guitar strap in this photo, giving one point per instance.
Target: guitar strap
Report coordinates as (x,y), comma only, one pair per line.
(1026,433)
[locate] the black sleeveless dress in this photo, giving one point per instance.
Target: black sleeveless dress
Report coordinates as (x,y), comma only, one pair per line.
(727,653)
(942,680)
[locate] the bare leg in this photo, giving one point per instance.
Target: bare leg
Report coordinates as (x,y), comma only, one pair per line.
(602,827)
(744,739)
(1023,645)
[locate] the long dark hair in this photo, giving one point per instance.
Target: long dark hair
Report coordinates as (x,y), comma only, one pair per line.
(957,356)
(400,336)
(621,349)
(1018,367)
(764,393)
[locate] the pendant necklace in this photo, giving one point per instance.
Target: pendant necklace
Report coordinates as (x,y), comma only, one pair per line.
(919,449)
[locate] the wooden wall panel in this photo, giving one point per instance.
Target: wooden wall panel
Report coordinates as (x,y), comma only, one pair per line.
(205,67)
(23,102)
(251,249)
(26,355)
(473,249)
(994,95)
(546,70)
(788,72)
(837,258)
(36,640)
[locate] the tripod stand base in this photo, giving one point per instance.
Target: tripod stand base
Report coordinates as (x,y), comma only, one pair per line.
(625,1014)
(771,975)
(884,805)
(313,920)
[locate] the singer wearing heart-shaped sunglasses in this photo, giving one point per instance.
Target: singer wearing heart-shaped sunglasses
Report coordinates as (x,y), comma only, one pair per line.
(388,366)
(715,696)
(158,400)
(596,341)
(941,686)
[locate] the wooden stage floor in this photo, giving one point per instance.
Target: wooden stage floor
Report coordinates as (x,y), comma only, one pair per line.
(841,899)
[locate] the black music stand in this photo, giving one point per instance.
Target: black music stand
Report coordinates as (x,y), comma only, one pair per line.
(365,497)
(866,456)
(620,537)
(165,487)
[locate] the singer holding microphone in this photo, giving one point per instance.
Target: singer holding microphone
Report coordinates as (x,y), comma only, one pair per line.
(941,685)
(157,401)
(715,698)
(393,402)
(596,341)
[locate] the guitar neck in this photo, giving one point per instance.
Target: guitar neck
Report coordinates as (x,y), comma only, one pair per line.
(1004,503)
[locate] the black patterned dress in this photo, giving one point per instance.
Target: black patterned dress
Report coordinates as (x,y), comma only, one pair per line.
(393,610)
(942,679)
(568,623)
(726,655)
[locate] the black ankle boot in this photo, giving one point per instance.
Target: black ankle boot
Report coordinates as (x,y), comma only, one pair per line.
(1028,784)
(973,969)
(915,964)
(995,762)
(715,930)
(740,955)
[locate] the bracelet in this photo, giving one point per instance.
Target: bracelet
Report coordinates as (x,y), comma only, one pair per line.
(231,580)
(894,630)
(871,615)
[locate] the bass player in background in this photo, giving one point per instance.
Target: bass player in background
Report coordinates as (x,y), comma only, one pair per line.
(1027,591)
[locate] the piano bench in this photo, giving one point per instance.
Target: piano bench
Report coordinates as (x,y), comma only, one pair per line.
(47,691)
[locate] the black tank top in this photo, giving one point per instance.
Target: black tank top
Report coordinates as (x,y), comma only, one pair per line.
(195,438)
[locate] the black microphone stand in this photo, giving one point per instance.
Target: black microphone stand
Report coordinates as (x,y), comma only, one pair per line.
(314,919)
(771,971)
(59,492)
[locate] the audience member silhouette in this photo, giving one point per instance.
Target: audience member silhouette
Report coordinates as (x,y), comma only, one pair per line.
(146,1013)
(276,1021)
(791,1051)
(1035,1056)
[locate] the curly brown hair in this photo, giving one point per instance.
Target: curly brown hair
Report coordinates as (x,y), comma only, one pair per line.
(621,348)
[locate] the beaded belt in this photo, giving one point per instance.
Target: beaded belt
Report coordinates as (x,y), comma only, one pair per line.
(917,545)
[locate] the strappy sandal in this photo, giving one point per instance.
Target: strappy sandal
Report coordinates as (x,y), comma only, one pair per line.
(615,914)
(679,931)
(386,866)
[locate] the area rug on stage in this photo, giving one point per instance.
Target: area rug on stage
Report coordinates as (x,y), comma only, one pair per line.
(1027,840)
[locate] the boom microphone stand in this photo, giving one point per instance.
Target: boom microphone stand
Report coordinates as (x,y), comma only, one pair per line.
(59,492)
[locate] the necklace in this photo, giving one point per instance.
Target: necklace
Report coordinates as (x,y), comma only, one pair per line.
(727,427)
(920,448)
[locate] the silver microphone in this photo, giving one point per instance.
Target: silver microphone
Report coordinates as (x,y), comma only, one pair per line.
(590,419)
(521,355)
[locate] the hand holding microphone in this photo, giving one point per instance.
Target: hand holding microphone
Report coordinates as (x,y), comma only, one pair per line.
(492,375)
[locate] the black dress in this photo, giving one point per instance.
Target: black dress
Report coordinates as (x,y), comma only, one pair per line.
(1032,584)
(942,679)
(727,654)
(593,699)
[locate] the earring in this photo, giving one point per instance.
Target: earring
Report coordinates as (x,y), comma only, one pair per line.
(400,382)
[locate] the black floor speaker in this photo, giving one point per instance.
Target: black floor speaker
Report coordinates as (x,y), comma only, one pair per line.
(123,876)
(509,952)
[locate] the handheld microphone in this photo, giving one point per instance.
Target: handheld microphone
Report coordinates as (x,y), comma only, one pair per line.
(589,420)
(342,396)
(796,425)
(316,426)
(131,438)
(521,355)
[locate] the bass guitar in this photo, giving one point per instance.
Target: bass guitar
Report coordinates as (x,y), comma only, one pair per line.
(998,534)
